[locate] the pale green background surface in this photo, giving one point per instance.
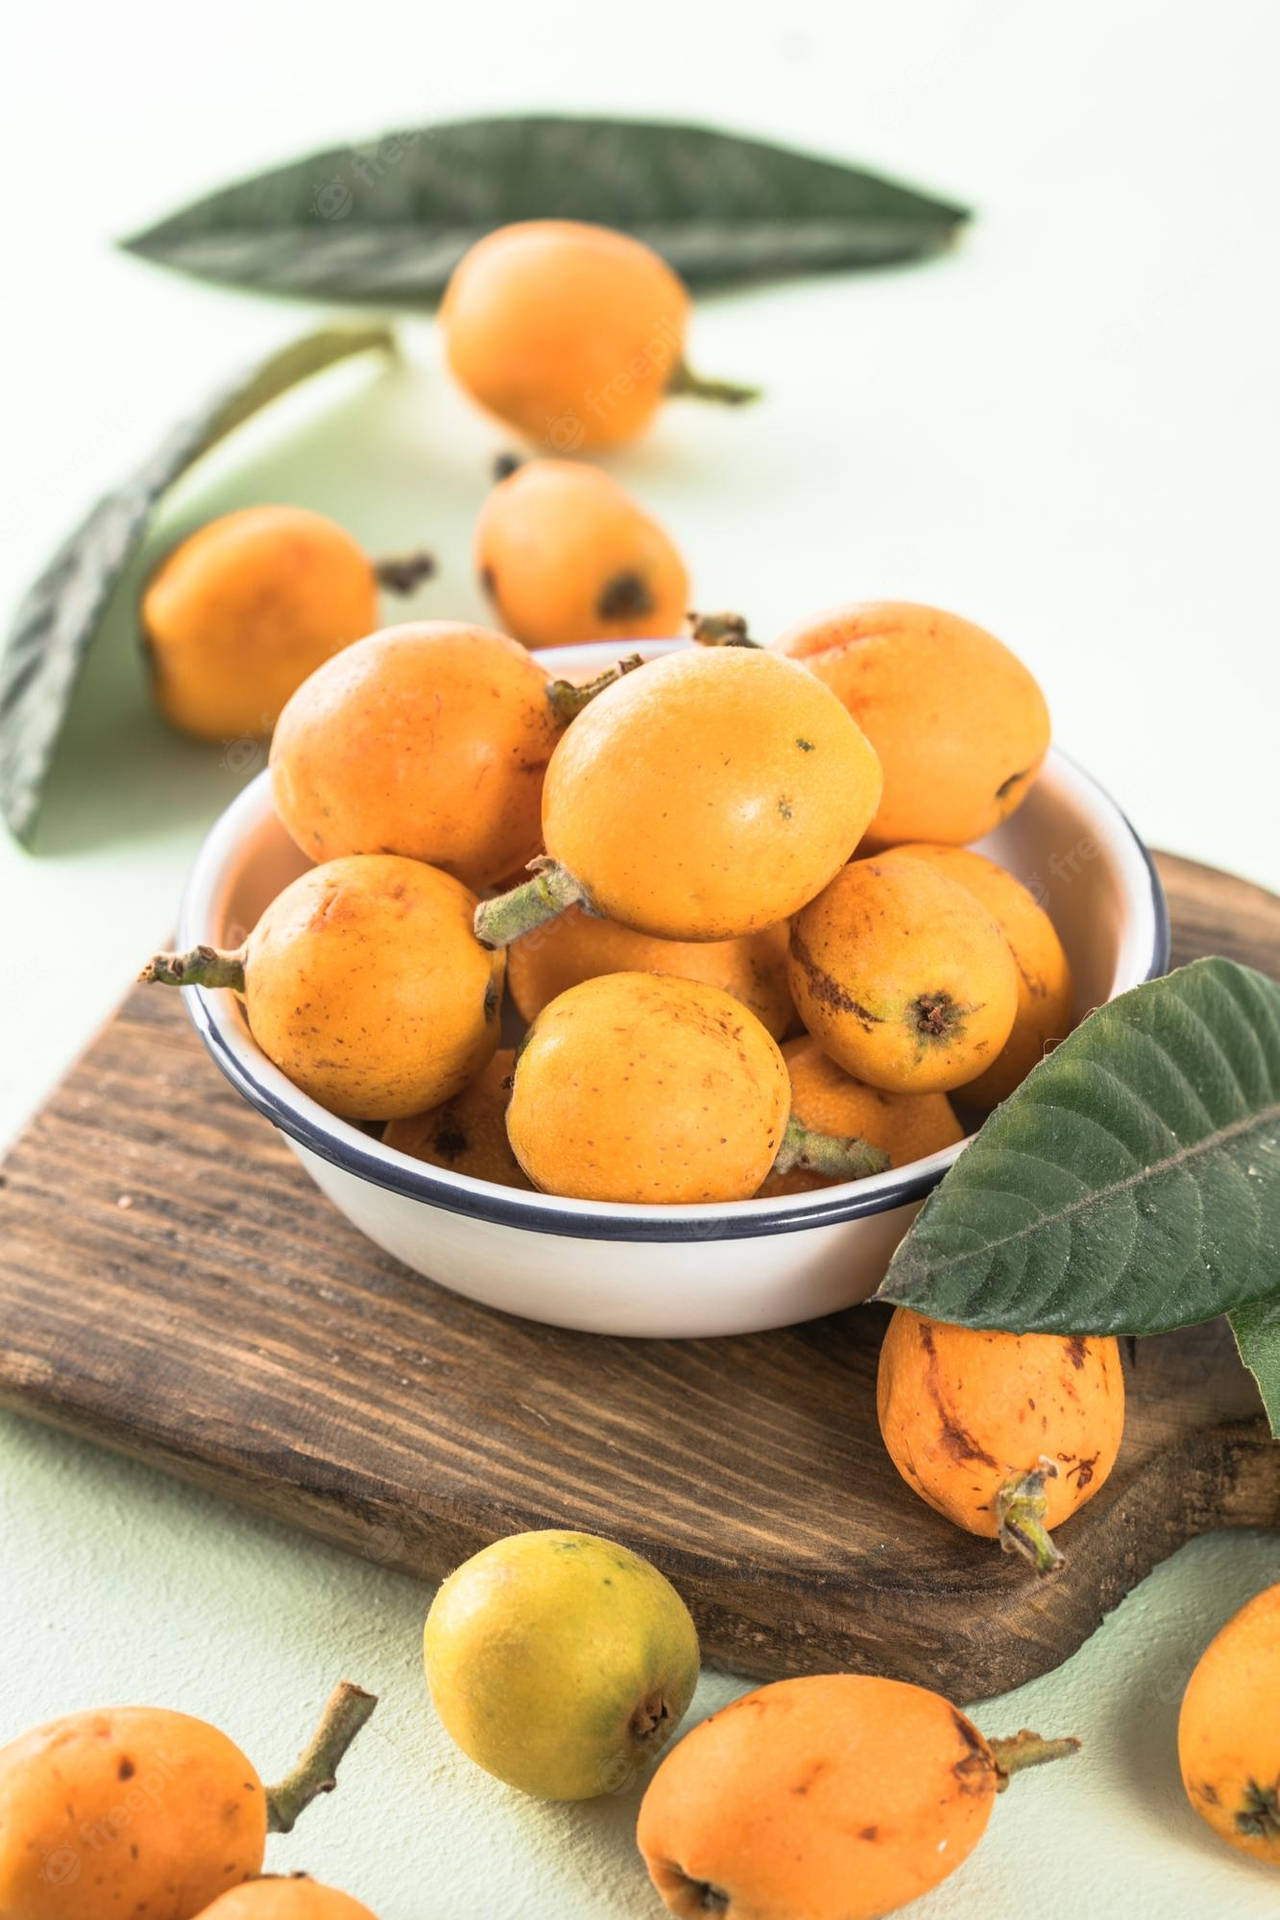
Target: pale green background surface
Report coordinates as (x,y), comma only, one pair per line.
(1066,430)
(121,1586)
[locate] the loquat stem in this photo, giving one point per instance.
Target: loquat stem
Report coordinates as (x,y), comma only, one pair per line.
(198,967)
(1022,1750)
(568,700)
(401,573)
(1020,1511)
(690,385)
(831,1154)
(530,905)
(315,1771)
(720,630)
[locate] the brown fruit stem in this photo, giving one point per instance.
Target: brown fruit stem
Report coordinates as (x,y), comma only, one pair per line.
(1020,1510)
(530,905)
(690,385)
(568,700)
(401,573)
(1022,1750)
(836,1156)
(198,967)
(720,630)
(315,1771)
(651,1722)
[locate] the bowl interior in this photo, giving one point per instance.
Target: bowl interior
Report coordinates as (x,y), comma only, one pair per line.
(1068,843)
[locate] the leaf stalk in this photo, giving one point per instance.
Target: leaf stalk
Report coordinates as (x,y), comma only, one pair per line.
(835,1156)
(568,698)
(1020,1511)
(315,1771)
(684,383)
(1019,1751)
(199,967)
(510,916)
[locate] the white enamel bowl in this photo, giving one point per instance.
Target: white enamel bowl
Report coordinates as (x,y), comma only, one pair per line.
(666,1272)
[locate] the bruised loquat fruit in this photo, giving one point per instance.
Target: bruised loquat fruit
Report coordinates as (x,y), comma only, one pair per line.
(139,1811)
(570,332)
(468,1134)
(903,977)
(430,740)
(244,609)
(364,984)
(649,1089)
(1229,1731)
(1004,1434)
(905,1126)
(1045,992)
(560,1662)
(707,795)
(577,946)
(837,1796)
(646,1087)
(959,724)
(134,1808)
(292,1896)
(565,554)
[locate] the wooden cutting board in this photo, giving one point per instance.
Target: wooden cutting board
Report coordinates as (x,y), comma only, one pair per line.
(173,1286)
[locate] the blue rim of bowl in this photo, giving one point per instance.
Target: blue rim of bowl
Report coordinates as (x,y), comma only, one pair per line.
(414,1181)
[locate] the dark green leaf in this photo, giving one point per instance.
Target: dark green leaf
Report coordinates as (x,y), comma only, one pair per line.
(59,615)
(1132,1182)
(388,222)
(1256,1326)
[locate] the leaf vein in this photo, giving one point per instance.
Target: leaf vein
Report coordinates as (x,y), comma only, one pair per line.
(1237,1129)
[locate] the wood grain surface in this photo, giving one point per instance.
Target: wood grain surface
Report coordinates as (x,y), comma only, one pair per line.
(173,1286)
